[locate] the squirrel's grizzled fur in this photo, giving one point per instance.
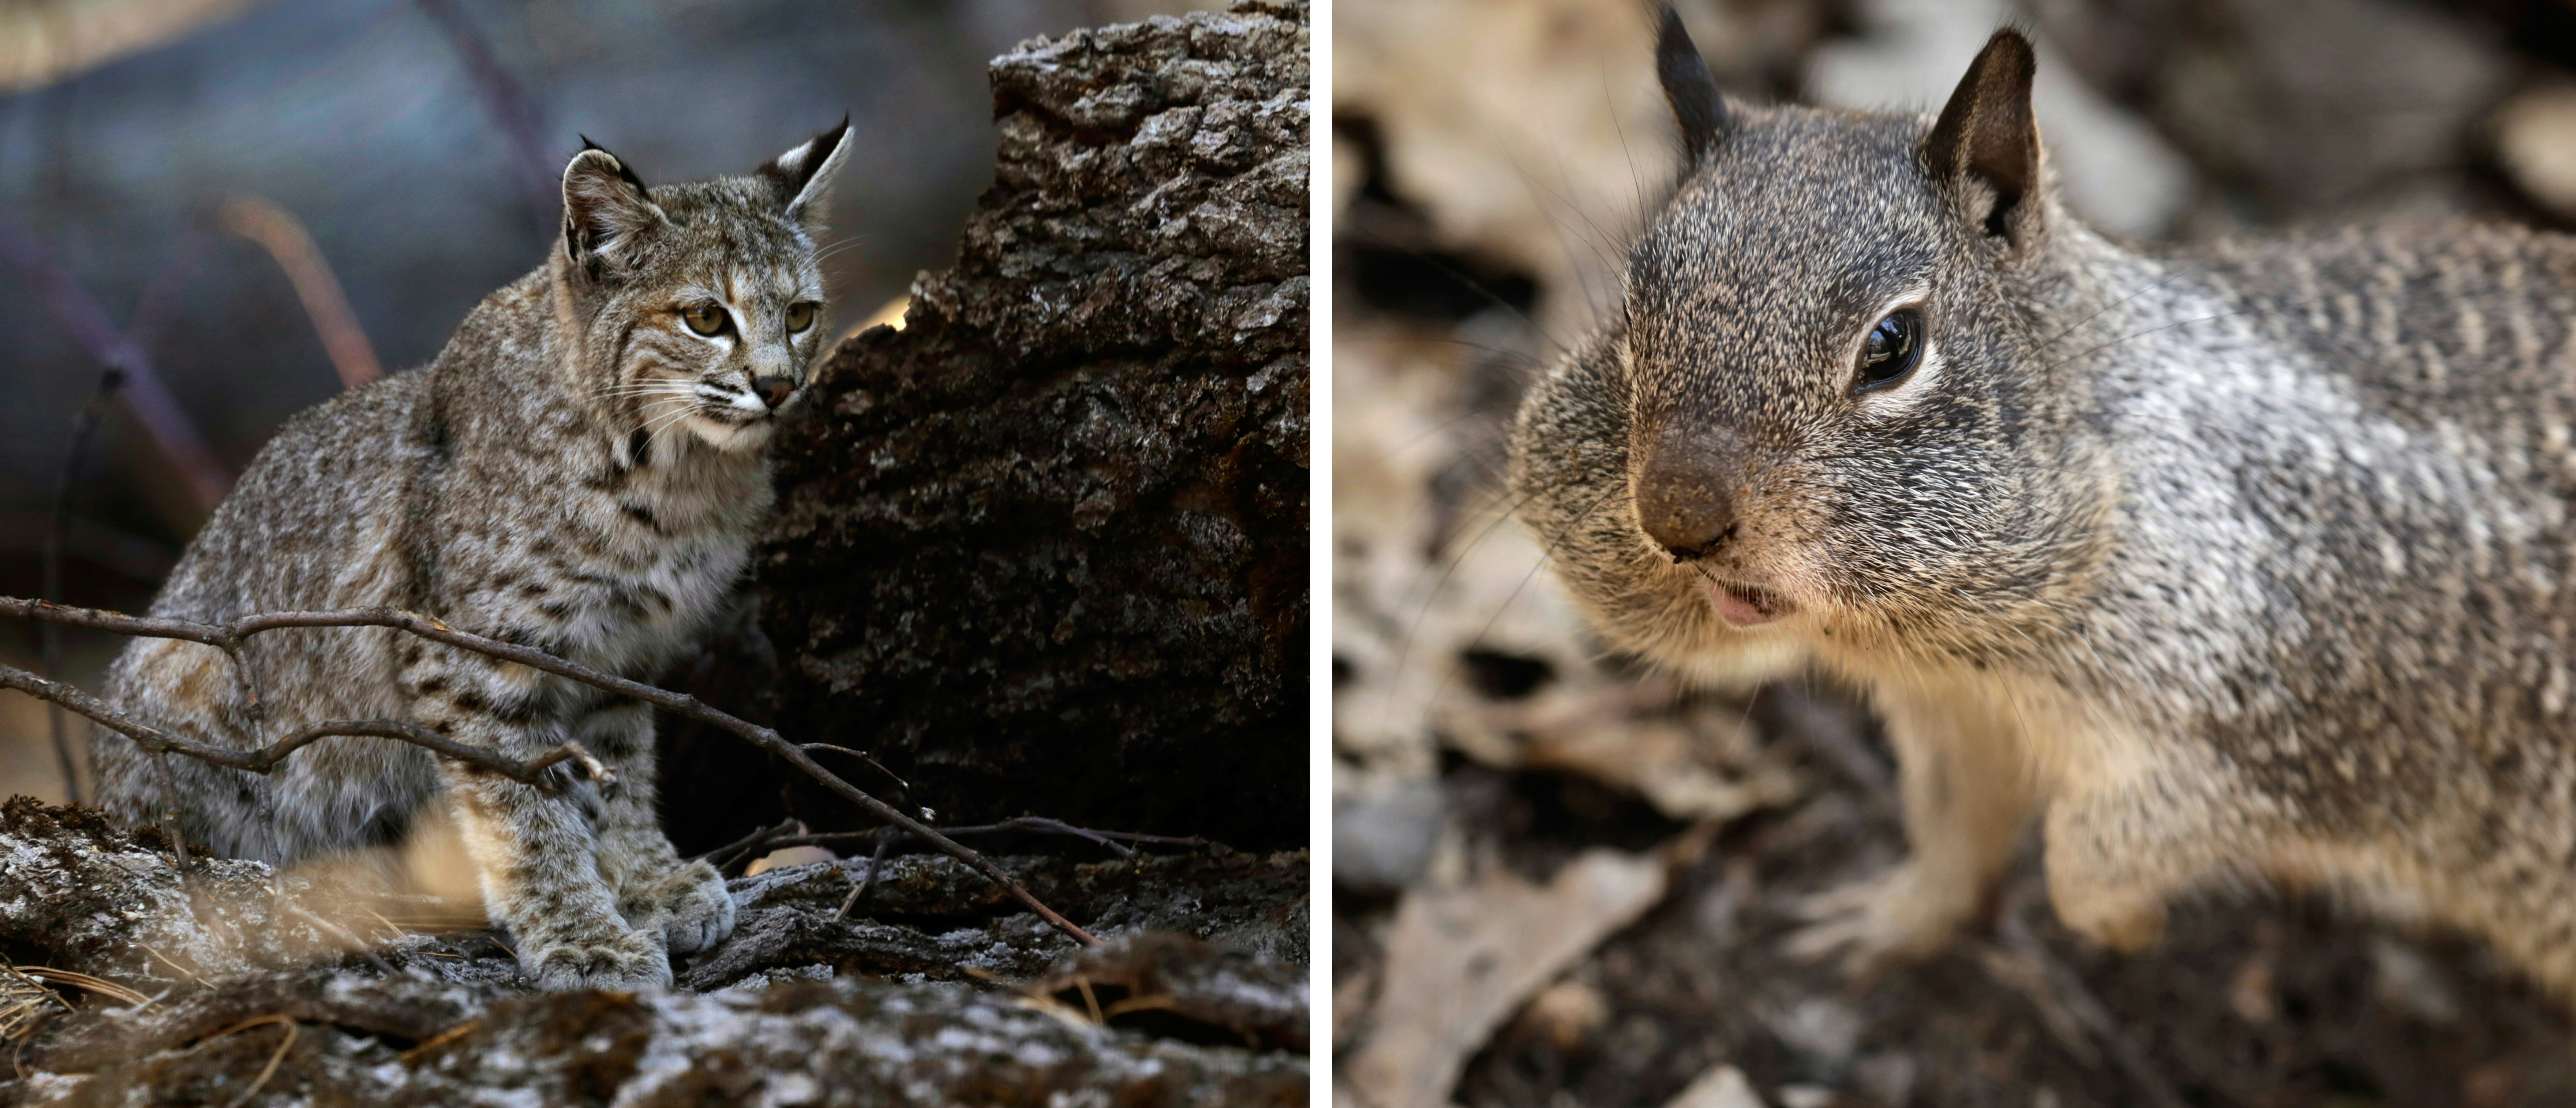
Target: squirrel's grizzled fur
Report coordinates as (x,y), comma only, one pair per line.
(2247,565)
(580,470)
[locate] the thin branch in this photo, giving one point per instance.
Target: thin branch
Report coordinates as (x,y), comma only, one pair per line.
(885,838)
(329,929)
(286,240)
(864,756)
(505,102)
(786,834)
(1109,839)
(150,313)
(79,315)
(230,636)
(83,982)
(119,623)
(749,846)
(266,758)
(57,526)
(876,862)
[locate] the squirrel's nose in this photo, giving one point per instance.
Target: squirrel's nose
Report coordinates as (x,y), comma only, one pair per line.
(774,391)
(1682,496)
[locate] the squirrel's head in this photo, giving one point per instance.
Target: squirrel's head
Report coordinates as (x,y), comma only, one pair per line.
(695,308)
(1821,404)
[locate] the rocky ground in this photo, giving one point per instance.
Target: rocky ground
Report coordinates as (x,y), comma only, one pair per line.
(261,989)
(1564,880)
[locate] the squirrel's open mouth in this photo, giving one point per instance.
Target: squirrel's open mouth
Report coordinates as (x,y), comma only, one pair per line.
(1747,605)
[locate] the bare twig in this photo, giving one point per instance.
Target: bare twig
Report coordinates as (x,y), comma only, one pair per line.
(787,834)
(285,239)
(269,1070)
(149,314)
(864,756)
(876,862)
(87,983)
(183,970)
(266,758)
(22,1004)
(230,636)
(333,930)
(438,1040)
(504,101)
(886,837)
(171,835)
(81,317)
(1110,839)
(725,856)
(57,525)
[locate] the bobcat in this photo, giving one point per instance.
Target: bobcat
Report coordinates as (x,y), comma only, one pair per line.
(580,470)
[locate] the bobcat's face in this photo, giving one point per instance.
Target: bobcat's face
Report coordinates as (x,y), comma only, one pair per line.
(705,299)
(722,345)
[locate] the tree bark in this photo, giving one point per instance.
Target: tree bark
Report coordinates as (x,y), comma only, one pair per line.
(1044,549)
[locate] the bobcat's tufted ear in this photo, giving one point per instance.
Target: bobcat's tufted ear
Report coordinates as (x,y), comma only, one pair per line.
(605,205)
(802,177)
(1987,135)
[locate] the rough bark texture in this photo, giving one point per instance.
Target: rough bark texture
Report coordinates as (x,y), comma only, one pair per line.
(1198,997)
(1044,549)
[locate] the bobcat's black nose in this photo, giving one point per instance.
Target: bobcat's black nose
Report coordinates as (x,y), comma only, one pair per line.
(774,391)
(1682,489)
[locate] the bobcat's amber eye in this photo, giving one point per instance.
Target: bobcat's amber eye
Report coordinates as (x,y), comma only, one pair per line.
(1891,351)
(800,316)
(705,319)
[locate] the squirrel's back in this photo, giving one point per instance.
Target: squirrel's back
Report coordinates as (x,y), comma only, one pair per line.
(2345,552)
(2436,320)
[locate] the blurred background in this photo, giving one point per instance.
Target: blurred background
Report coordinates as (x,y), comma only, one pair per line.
(1506,794)
(241,205)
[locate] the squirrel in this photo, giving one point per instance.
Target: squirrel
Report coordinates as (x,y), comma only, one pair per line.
(2250,563)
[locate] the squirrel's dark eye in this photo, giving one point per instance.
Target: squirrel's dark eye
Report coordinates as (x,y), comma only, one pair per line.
(705,319)
(1894,346)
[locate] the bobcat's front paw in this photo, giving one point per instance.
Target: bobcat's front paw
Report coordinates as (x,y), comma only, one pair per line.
(627,961)
(689,905)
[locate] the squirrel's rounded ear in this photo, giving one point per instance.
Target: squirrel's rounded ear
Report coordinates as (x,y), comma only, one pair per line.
(604,204)
(1987,132)
(1698,106)
(802,177)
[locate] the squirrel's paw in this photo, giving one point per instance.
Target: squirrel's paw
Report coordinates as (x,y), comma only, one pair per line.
(690,906)
(627,961)
(1881,922)
(2128,924)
